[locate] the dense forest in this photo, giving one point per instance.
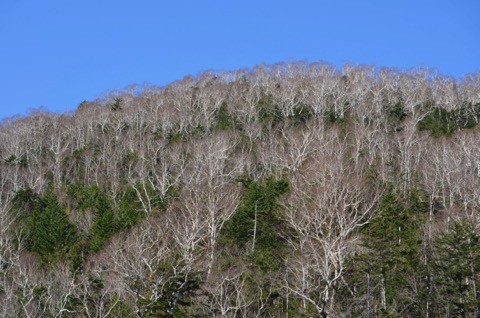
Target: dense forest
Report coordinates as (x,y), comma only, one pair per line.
(290,190)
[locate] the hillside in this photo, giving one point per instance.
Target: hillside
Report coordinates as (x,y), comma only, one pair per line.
(291,190)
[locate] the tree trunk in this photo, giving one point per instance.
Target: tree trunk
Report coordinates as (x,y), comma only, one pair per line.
(324,312)
(384,291)
(368,295)
(254,229)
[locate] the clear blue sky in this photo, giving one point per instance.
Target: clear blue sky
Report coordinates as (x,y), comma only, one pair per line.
(57,53)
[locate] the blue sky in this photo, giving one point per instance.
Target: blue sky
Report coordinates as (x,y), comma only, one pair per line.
(57,53)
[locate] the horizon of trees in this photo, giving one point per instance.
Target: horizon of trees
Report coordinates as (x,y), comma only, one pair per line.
(291,190)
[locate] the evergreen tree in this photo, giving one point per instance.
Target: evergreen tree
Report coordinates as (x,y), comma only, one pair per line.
(457,266)
(104,224)
(50,233)
(25,202)
(257,221)
(392,259)
(129,211)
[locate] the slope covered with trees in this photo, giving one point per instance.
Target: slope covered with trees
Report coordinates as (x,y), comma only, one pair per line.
(292,190)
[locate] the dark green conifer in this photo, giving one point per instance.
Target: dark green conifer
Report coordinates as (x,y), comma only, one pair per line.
(50,232)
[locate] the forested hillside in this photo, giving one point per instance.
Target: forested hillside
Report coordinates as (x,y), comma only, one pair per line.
(292,190)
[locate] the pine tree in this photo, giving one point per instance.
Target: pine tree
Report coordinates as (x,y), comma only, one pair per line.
(50,233)
(104,224)
(457,266)
(258,222)
(129,211)
(392,259)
